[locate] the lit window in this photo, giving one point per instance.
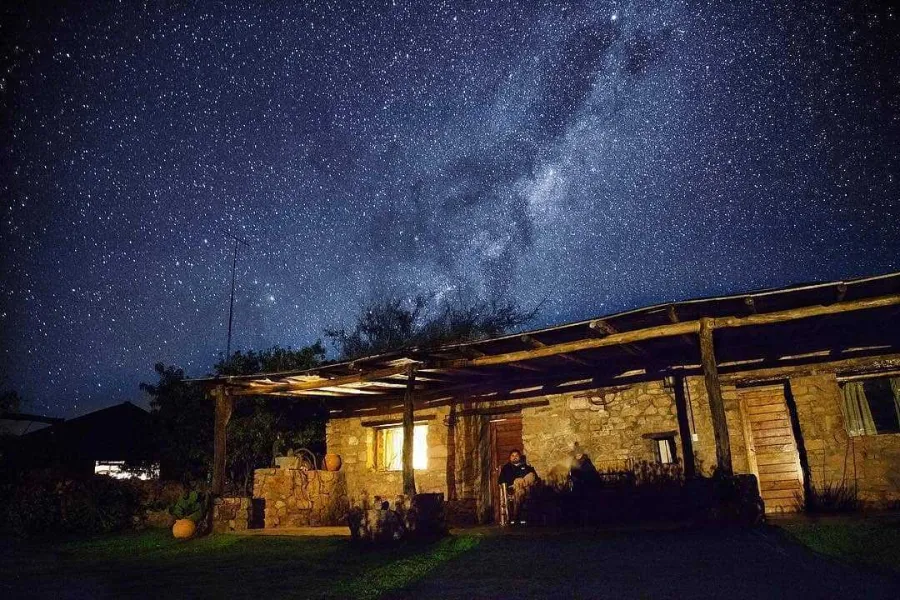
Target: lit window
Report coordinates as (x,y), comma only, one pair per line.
(389,448)
(665,450)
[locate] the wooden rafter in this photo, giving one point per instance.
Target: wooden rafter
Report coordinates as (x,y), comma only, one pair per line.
(672,312)
(686,327)
(255,389)
(534,343)
(605,328)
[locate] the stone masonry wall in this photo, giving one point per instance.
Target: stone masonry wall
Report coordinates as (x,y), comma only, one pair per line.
(299,498)
(608,426)
(872,462)
(705,442)
(231,514)
(355,442)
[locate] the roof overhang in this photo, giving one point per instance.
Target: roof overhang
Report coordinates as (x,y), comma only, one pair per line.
(768,329)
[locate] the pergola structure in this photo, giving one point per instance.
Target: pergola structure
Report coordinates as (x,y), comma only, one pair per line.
(754,337)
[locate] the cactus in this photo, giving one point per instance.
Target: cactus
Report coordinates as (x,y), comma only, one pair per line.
(191,505)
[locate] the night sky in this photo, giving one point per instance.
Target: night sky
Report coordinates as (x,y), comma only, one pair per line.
(596,156)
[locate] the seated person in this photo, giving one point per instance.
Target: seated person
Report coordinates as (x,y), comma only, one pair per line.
(582,472)
(518,477)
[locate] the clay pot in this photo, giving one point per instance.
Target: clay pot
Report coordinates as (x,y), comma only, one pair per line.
(184,529)
(332,462)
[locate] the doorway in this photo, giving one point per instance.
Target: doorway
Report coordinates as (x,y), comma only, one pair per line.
(505,436)
(771,447)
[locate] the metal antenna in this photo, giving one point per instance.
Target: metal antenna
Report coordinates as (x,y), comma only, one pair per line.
(237,241)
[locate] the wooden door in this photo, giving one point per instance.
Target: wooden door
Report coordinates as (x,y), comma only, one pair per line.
(506,436)
(772,448)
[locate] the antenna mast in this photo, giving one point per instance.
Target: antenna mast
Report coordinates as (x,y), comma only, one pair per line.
(237,241)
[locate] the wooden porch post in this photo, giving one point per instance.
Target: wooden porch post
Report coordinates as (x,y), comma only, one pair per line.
(409,477)
(451,451)
(714,392)
(224,407)
(684,427)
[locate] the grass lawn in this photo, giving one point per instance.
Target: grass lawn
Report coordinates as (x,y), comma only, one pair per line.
(153,564)
(873,541)
(525,563)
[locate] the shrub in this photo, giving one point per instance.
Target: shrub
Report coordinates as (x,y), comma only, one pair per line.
(647,492)
(831,498)
(51,505)
(192,505)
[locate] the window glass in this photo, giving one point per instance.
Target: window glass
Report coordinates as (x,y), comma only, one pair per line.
(390,448)
(882,405)
(665,450)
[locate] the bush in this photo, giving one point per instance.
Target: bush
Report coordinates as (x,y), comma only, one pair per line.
(648,492)
(831,498)
(192,505)
(50,505)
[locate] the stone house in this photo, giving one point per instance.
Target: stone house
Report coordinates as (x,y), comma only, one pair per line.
(798,386)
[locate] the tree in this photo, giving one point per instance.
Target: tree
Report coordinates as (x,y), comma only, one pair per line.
(258,427)
(183,419)
(262,427)
(391,324)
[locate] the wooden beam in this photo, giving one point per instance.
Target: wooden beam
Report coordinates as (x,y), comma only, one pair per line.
(750,304)
(840,291)
(409,477)
(394,423)
(224,408)
(683,328)
(451,451)
(863,365)
(501,410)
(806,312)
(527,339)
(524,367)
(684,427)
(616,339)
(259,389)
(352,391)
(673,318)
(606,329)
(714,393)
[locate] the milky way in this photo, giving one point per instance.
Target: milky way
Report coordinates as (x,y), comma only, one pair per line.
(592,156)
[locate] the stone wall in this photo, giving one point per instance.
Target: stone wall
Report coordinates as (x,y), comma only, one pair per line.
(607,424)
(355,442)
(705,439)
(231,514)
(871,462)
(295,497)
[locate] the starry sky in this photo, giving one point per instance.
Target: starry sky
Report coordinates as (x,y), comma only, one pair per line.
(595,156)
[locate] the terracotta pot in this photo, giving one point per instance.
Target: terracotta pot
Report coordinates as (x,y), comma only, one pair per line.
(332,462)
(184,529)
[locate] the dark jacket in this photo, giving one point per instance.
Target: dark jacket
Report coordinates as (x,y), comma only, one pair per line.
(511,472)
(584,473)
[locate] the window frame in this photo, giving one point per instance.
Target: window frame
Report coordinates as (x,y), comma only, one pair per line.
(880,411)
(420,433)
(669,443)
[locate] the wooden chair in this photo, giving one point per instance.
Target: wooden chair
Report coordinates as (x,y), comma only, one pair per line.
(503,496)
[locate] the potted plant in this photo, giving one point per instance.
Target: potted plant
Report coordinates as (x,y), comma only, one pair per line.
(188,511)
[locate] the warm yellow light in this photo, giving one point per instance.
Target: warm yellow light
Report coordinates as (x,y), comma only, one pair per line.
(392,444)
